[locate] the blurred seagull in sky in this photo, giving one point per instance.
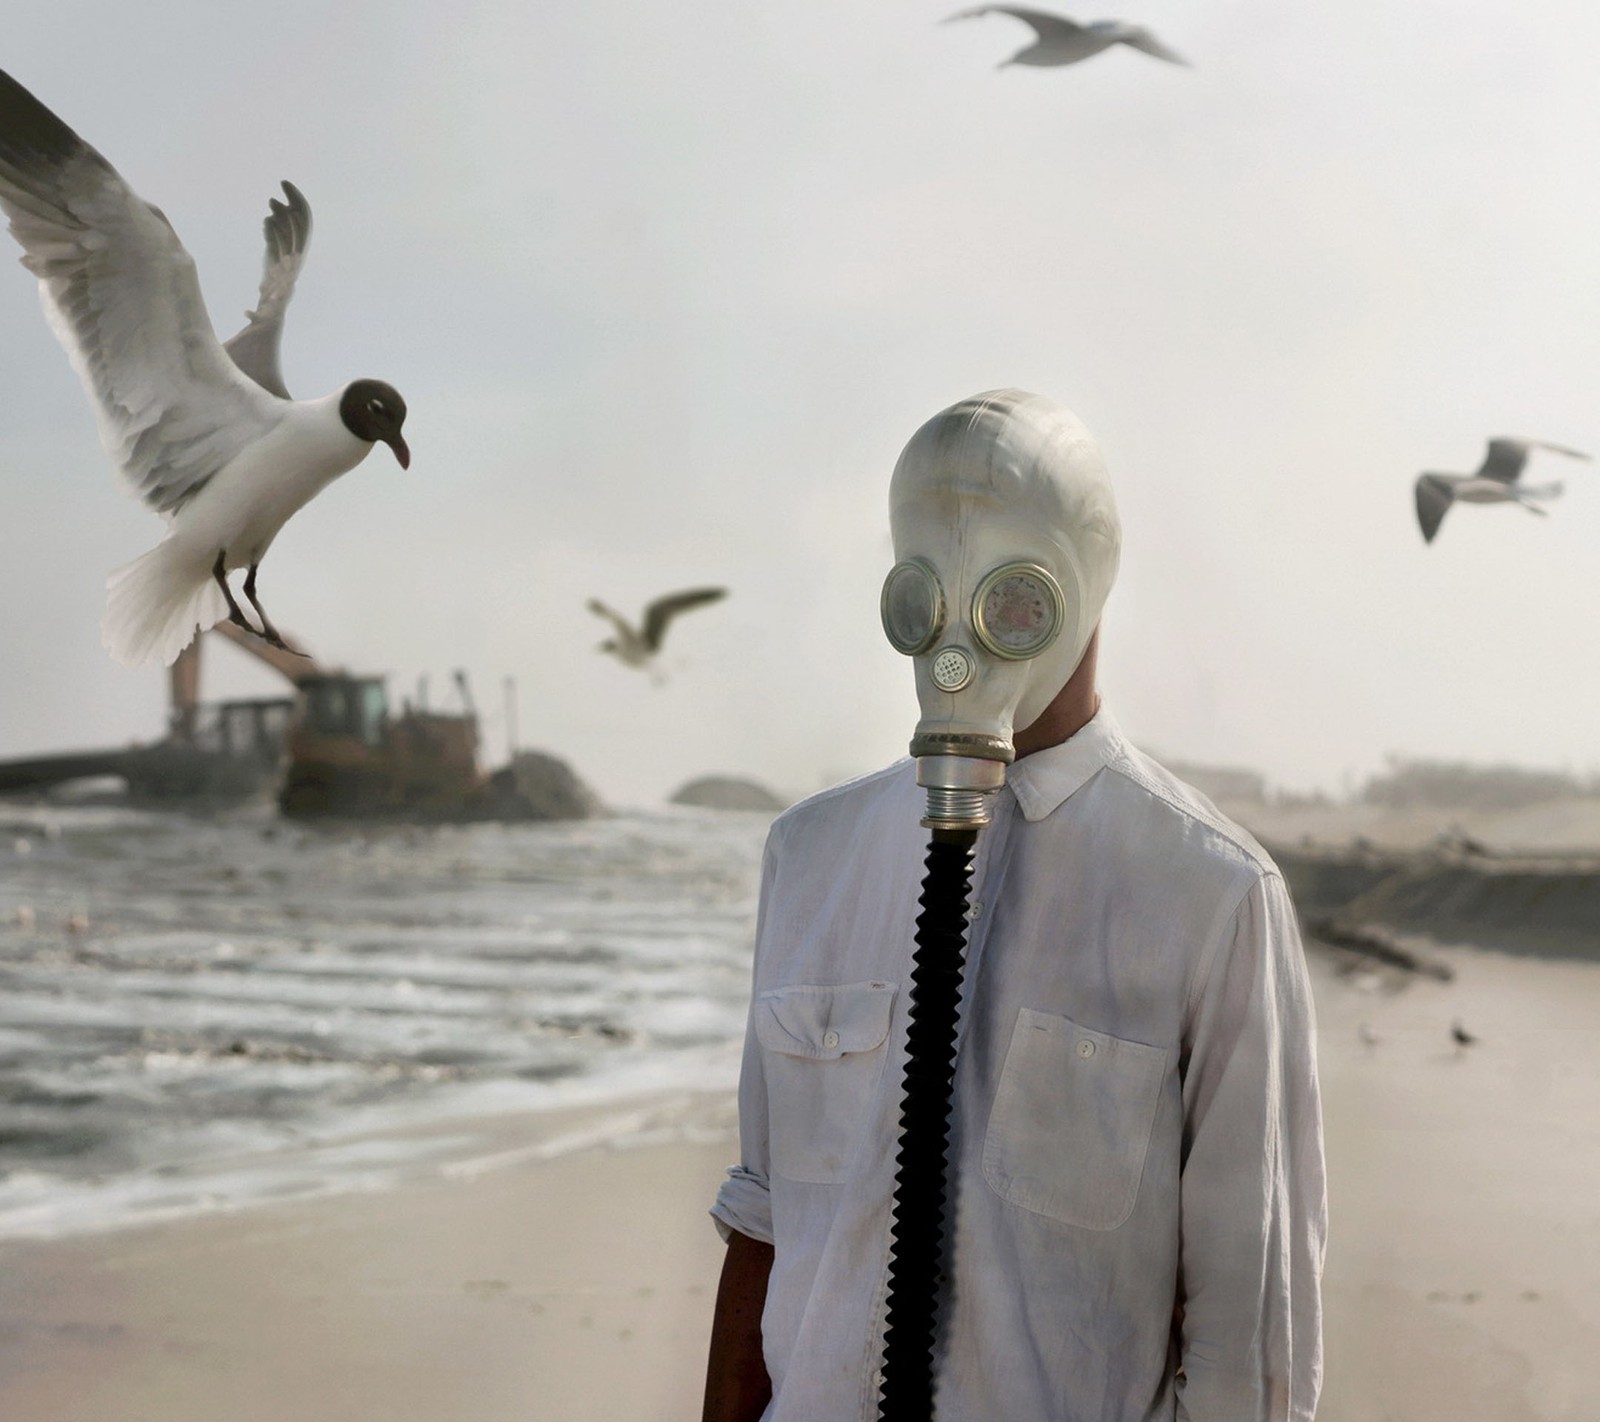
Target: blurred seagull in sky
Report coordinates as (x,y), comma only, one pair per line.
(637,646)
(206,434)
(1063,41)
(1496,482)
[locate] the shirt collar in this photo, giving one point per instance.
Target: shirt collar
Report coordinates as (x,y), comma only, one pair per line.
(1045,780)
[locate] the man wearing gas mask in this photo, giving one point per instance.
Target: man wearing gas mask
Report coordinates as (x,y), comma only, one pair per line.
(1137,1203)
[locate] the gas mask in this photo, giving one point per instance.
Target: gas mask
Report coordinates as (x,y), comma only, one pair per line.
(1006,539)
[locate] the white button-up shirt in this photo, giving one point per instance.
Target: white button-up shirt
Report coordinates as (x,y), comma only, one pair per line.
(1136,1127)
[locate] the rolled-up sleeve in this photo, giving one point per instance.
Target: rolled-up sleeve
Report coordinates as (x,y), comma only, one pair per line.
(1254,1199)
(744,1202)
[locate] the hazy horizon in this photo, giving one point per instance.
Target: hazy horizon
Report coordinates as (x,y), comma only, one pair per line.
(667,291)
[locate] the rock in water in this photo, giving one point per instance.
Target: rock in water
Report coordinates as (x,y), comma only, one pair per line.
(729,792)
(536,786)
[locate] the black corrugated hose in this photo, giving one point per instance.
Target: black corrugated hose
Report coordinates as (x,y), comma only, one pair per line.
(916,1251)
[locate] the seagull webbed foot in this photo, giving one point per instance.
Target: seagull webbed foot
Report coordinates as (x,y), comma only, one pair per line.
(272,639)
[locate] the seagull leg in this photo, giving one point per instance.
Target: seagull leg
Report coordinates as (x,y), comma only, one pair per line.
(269,633)
(234,614)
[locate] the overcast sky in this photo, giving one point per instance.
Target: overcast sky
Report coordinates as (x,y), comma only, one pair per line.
(667,288)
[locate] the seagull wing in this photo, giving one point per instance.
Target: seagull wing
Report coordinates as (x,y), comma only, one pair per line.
(1146,43)
(1434,497)
(1046,25)
(121,294)
(1507,457)
(255,349)
(616,619)
(1558,449)
(664,609)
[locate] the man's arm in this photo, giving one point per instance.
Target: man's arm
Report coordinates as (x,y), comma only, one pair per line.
(1254,1211)
(737,1386)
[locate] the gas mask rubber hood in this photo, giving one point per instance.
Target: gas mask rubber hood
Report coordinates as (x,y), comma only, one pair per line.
(1006,541)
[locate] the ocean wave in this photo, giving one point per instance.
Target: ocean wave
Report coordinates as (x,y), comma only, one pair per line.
(176,990)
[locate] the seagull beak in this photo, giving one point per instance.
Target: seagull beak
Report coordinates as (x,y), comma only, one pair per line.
(401,453)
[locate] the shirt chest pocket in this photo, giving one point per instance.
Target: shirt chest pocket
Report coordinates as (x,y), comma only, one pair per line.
(1071,1121)
(823,1052)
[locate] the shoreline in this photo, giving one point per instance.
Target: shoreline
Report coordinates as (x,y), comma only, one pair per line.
(391,1146)
(563,1266)
(560,1273)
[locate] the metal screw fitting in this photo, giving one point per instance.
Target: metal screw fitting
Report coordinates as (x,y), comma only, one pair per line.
(959,789)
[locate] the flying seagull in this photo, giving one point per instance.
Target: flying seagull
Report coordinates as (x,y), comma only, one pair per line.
(1496,482)
(206,434)
(637,646)
(1063,41)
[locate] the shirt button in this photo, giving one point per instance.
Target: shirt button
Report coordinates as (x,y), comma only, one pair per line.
(976,911)
(1085,1049)
(830,1040)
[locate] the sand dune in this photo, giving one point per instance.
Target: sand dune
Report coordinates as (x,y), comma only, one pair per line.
(1569,826)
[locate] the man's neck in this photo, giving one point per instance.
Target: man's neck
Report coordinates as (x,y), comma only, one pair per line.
(1072,709)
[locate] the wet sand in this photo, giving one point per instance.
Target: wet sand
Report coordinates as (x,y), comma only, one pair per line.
(536,1280)
(569,1288)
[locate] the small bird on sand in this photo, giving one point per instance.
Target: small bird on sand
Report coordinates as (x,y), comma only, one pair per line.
(1063,41)
(1496,482)
(637,646)
(1459,1034)
(206,434)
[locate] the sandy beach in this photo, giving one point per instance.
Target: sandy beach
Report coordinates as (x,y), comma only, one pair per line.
(523,1272)
(525,1280)
(1463,1276)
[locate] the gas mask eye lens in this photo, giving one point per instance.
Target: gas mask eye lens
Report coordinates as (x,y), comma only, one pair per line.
(1017,611)
(912,607)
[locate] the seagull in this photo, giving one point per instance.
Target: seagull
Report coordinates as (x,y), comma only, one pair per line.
(206,434)
(1494,483)
(637,646)
(1463,1038)
(1063,41)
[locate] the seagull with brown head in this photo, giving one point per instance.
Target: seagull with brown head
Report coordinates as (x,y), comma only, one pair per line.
(205,433)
